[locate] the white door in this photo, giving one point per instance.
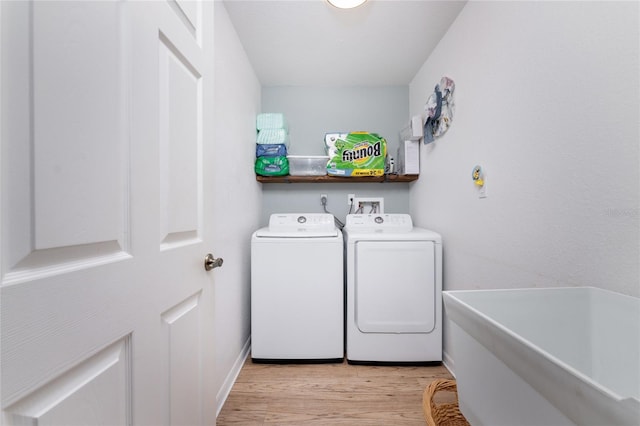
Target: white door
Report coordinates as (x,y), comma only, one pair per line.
(106,308)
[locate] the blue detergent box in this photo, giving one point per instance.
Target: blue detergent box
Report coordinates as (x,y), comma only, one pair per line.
(271,150)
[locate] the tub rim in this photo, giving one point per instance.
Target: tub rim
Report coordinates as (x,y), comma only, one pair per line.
(563,385)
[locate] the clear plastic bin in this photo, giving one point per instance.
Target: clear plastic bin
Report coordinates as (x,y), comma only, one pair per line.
(308,165)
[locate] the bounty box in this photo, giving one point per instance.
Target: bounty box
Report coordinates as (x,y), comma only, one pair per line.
(355,154)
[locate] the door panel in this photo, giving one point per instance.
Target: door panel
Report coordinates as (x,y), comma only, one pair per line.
(68,162)
(95,391)
(182,324)
(106,309)
(189,12)
(180,92)
(79,128)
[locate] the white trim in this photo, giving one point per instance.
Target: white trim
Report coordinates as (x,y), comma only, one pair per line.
(229,381)
(449,363)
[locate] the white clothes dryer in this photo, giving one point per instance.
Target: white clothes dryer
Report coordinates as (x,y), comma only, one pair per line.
(394,290)
(297,289)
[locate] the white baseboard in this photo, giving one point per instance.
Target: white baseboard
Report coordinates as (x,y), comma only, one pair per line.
(449,363)
(225,390)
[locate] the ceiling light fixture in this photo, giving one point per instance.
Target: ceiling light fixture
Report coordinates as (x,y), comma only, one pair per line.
(346,4)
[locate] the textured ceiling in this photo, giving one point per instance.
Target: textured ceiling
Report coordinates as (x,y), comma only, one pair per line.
(311,43)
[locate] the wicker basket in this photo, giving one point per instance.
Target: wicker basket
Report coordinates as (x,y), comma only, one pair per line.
(442,414)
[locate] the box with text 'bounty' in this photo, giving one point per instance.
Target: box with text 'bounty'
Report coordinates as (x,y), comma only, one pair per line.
(355,154)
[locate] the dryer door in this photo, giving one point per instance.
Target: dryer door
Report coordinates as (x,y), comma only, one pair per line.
(395,286)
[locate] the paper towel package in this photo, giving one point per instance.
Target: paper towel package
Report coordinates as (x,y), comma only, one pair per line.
(273,137)
(355,154)
(272,166)
(409,158)
(270,120)
(271,150)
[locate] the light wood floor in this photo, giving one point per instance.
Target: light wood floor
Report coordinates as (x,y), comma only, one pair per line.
(328,394)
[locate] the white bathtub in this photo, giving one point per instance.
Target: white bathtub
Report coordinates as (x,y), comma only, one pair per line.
(551,356)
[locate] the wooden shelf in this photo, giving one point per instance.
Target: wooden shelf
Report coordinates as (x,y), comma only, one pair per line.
(336,179)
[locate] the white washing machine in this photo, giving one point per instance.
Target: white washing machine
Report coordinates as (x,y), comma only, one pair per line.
(394,290)
(297,289)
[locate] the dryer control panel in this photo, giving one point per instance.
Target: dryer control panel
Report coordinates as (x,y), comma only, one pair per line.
(396,222)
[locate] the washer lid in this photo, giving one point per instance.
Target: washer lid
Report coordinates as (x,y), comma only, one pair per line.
(396,223)
(299,225)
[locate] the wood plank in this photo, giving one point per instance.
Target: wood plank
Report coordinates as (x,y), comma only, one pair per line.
(336,179)
(288,394)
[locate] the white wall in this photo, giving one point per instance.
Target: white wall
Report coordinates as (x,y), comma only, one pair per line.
(314,111)
(236,215)
(305,197)
(547,101)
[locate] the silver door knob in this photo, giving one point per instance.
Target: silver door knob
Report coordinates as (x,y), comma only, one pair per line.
(211,262)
